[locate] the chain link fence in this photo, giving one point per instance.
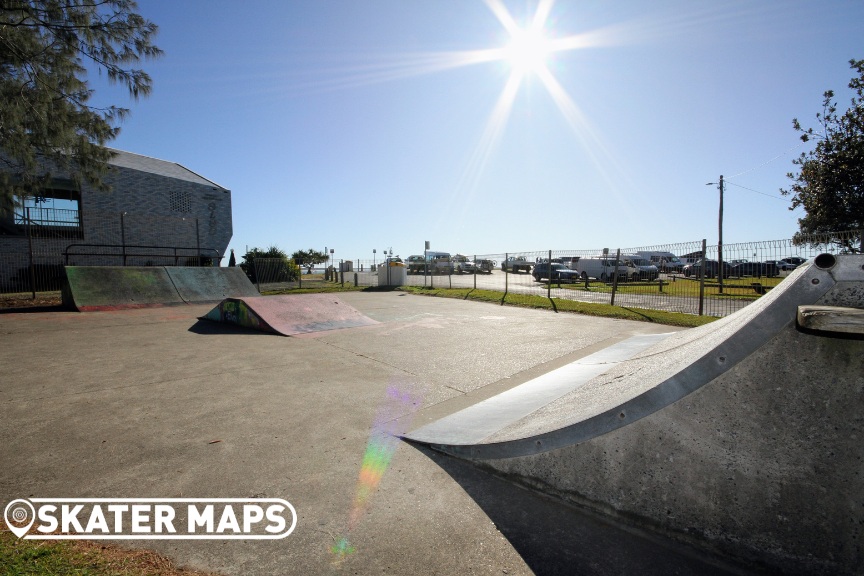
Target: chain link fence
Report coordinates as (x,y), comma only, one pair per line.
(687,277)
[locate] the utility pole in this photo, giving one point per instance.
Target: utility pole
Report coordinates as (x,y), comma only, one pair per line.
(720,241)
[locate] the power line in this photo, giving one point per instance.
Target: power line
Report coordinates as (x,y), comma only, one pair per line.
(767,162)
(758,192)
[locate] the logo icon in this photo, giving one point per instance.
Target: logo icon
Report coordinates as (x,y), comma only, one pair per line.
(19,515)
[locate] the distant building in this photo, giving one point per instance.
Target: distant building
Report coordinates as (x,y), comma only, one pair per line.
(157,212)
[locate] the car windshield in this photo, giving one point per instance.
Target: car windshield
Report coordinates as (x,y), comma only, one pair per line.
(558,267)
(640,262)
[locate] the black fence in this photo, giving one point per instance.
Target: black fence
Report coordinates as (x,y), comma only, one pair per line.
(37,243)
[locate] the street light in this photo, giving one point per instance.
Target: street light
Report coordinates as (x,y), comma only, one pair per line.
(373,258)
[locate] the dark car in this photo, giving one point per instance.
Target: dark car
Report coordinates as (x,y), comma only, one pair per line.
(789,264)
(558,273)
(712,267)
(416,264)
(767,269)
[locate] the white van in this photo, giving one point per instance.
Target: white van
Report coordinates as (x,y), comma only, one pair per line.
(602,268)
(569,261)
(639,268)
(439,263)
(664,261)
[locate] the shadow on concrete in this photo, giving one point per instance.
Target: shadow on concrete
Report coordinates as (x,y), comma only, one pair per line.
(36,309)
(210,328)
(556,539)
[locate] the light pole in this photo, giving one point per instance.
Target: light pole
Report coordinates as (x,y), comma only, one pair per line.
(373,259)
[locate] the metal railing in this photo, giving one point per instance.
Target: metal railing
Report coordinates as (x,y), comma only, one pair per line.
(195,256)
(35,244)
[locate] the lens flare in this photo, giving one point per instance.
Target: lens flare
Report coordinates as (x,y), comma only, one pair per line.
(382,444)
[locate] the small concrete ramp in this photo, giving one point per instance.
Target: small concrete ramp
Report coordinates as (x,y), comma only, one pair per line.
(289,315)
(202,284)
(89,288)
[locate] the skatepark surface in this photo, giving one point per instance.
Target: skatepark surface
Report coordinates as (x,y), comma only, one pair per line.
(155,403)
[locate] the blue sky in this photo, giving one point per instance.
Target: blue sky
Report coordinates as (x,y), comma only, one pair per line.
(361,124)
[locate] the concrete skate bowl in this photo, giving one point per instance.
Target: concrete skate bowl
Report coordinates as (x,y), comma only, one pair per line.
(742,437)
(90,288)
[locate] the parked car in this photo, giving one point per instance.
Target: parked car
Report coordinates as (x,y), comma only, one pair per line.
(664,261)
(570,261)
(462,265)
(746,268)
(439,263)
(515,264)
(416,264)
(639,268)
(555,272)
(712,267)
(485,265)
(790,263)
(601,268)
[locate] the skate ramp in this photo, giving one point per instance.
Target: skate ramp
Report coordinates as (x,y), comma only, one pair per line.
(289,315)
(741,437)
(90,288)
(201,284)
(634,386)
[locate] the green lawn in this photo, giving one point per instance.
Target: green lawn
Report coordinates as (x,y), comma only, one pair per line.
(741,288)
(80,558)
(562,305)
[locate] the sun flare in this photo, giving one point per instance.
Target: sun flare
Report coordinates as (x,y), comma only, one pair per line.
(527,51)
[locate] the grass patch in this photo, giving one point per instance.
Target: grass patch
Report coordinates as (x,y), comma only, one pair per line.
(562,305)
(81,558)
(733,288)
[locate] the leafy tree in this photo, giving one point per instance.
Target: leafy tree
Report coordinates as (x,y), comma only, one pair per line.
(270,265)
(309,258)
(46,122)
(830,182)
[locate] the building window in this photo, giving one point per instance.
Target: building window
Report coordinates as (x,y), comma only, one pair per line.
(180,201)
(54,210)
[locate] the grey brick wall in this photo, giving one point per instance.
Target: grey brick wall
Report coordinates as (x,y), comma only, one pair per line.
(175,208)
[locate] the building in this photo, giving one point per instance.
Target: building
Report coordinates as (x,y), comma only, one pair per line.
(157,213)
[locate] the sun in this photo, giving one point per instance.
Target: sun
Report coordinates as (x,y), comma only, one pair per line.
(527,51)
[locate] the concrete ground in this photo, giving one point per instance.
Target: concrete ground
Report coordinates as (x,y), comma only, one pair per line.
(130,404)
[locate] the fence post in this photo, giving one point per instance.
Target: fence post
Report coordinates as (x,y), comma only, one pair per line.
(355,279)
(702,280)
(615,277)
(197,243)
(123,235)
(342,273)
(475,271)
(549,286)
(257,280)
(30,249)
(506,276)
